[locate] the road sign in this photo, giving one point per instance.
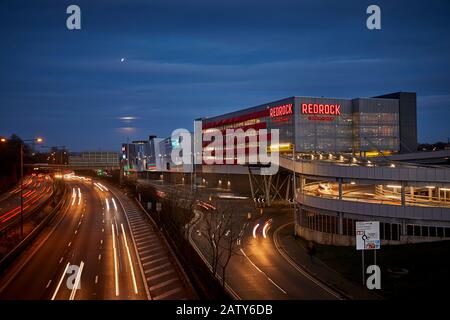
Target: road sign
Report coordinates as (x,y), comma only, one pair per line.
(367,235)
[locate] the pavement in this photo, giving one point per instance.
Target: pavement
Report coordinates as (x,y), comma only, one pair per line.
(295,253)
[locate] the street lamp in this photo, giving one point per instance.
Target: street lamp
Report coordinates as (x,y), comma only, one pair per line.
(37,140)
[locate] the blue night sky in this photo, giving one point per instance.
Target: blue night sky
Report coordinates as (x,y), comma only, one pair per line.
(187,59)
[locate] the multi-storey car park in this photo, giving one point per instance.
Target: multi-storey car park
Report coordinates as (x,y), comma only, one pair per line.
(338,153)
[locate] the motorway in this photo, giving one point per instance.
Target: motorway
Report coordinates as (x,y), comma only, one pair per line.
(86,246)
(37,189)
(258,270)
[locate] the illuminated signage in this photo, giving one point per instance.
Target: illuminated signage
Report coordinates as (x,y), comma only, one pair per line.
(325,109)
(279,111)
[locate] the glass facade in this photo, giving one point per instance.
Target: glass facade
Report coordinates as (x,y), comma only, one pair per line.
(359,125)
(321,132)
(376,126)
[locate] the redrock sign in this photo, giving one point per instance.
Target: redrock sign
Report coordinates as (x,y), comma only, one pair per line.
(328,109)
(279,111)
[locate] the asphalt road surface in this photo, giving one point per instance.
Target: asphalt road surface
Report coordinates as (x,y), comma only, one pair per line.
(257,270)
(87,246)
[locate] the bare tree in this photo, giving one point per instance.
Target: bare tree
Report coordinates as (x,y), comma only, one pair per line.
(221,232)
(229,246)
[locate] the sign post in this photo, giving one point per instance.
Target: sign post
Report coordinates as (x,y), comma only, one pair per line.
(367,238)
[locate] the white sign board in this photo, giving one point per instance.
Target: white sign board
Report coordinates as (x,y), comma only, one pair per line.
(368,235)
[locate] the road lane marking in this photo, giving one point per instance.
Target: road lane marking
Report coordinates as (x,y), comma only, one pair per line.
(276,285)
(48,284)
(116,277)
(96,279)
(60,281)
(77,281)
(256,267)
(60,260)
(297,267)
(69,243)
(99,256)
(129,258)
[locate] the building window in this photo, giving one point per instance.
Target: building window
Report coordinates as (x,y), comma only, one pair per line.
(424,231)
(410,230)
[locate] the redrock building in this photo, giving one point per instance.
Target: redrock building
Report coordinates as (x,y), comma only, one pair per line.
(363,126)
(342,171)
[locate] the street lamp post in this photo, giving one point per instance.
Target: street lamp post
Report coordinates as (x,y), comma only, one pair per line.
(294,182)
(38,140)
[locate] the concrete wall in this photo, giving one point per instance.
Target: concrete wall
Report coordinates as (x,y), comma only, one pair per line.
(341,240)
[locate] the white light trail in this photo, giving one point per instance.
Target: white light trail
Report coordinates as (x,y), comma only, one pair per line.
(254,230)
(74,195)
(129,259)
(107,204)
(77,281)
(116,276)
(265,229)
(114,203)
(79,196)
(98,186)
(103,187)
(60,281)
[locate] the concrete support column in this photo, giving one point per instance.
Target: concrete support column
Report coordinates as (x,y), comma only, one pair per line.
(302,183)
(340,228)
(402,191)
(340,188)
(411,191)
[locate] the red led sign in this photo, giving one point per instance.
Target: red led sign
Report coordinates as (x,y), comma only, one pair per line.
(327,109)
(279,111)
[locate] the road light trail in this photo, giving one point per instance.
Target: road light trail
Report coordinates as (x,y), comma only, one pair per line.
(114,203)
(77,282)
(79,196)
(74,196)
(116,276)
(254,230)
(60,281)
(98,186)
(266,225)
(107,204)
(129,259)
(103,187)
